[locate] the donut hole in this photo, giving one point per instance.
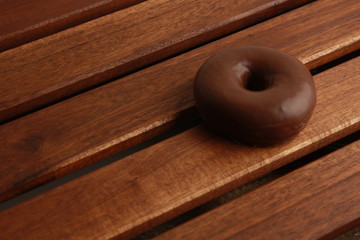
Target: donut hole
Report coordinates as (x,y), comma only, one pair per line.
(256,83)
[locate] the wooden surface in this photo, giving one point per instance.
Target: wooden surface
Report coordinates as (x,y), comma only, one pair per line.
(315,202)
(41,72)
(173,176)
(22,21)
(57,140)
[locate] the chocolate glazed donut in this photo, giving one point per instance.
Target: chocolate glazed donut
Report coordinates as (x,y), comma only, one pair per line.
(255,95)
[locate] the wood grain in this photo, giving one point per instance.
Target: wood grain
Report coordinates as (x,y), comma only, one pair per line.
(67,136)
(22,21)
(173,176)
(38,73)
(315,202)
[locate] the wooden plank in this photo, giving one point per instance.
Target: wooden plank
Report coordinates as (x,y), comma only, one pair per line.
(60,65)
(173,176)
(318,201)
(22,21)
(57,140)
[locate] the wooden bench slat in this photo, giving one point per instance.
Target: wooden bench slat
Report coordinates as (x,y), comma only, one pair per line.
(317,201)
(22,21)
(81,57)
(94,125)
(173,176)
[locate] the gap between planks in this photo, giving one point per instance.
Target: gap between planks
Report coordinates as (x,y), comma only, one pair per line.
(248,187)
(154,185)
(318,201)
(74,175)
(57,140)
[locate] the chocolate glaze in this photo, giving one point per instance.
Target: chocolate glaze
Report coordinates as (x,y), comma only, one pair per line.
(255,95)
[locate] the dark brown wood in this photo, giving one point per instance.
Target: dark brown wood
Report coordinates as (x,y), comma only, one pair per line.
(41,72)
(173,176)
(315,202)
(67,136)
(22,21)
